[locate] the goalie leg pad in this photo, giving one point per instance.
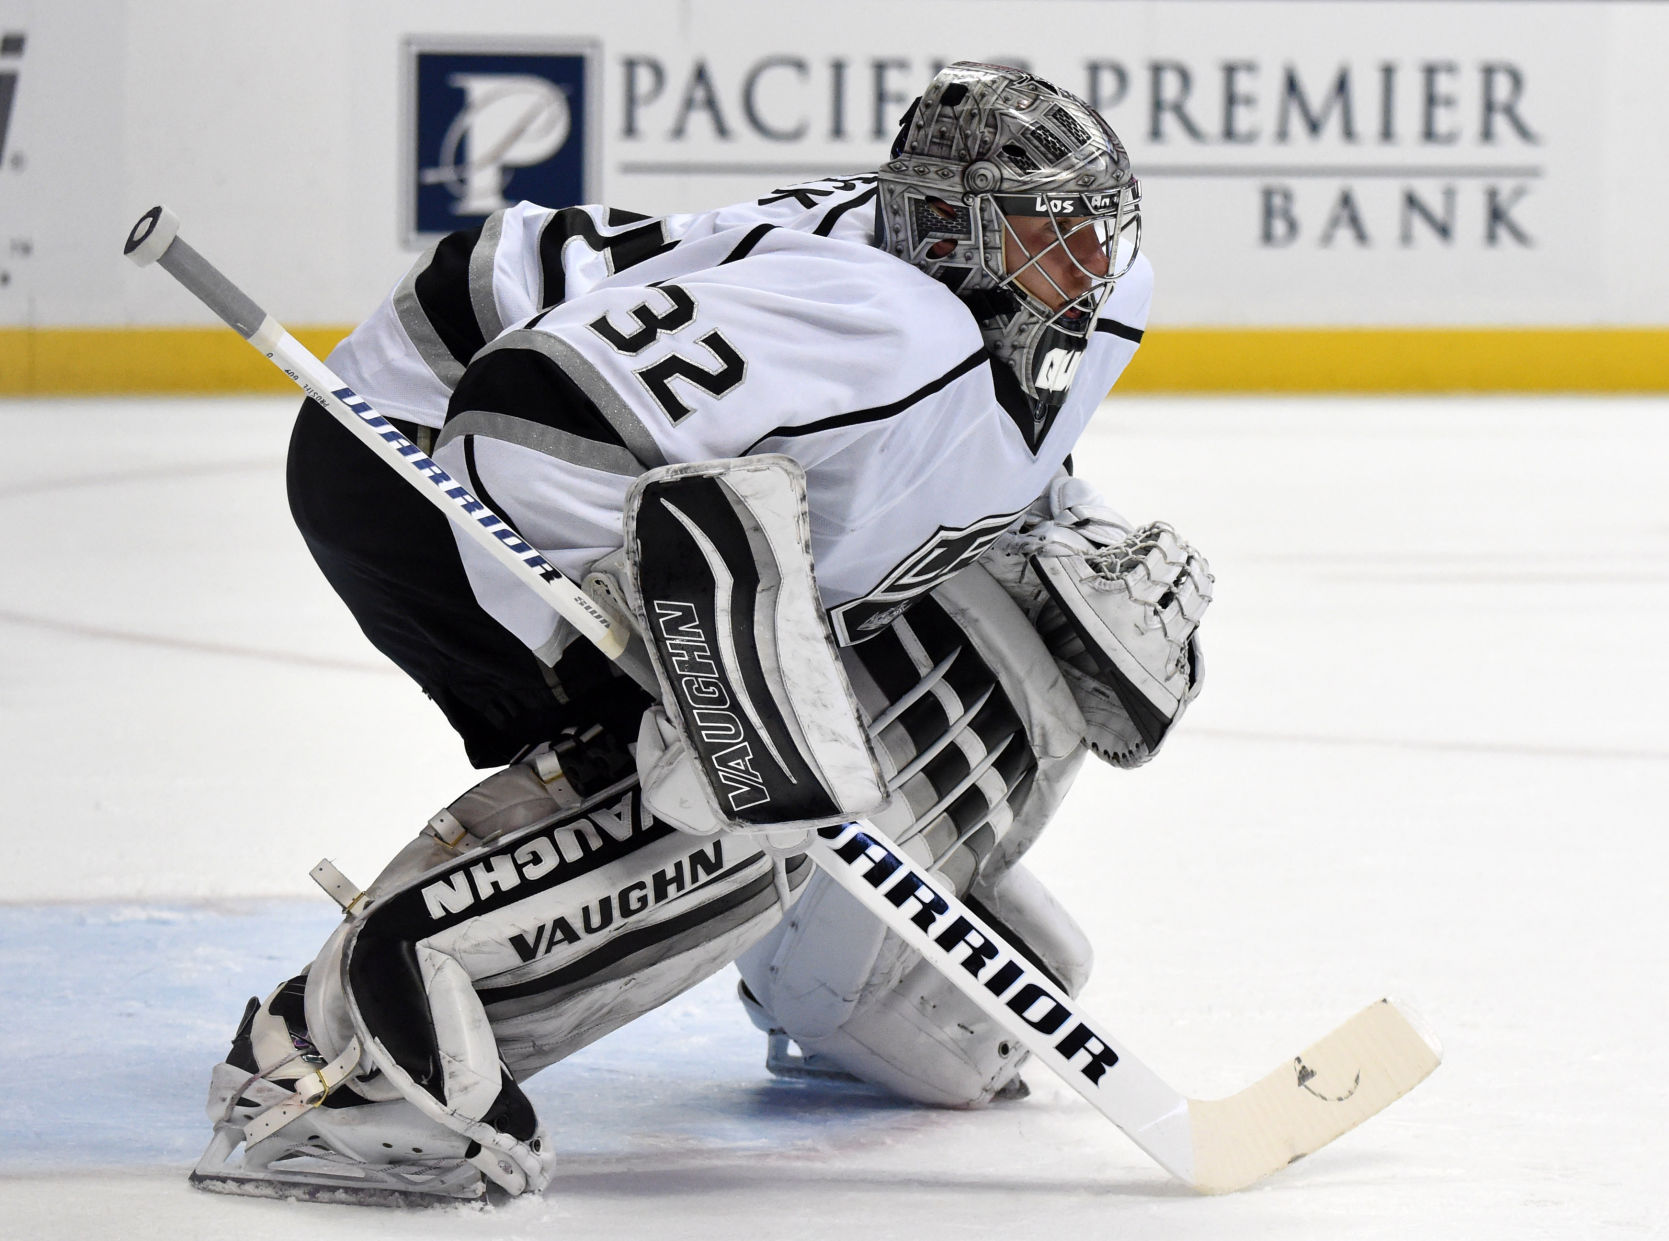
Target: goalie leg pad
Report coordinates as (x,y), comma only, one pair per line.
(462,978)
(978,734)
(979,738)
(520,925)
(867,1005)
(720,577)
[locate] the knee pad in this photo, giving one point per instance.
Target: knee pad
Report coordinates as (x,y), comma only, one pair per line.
(856,998)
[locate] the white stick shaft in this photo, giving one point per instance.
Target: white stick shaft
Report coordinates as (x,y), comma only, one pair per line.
(155,239)
(469,514)
(925,912)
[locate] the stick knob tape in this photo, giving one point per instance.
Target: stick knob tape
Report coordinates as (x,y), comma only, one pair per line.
(152,235)
(156,239)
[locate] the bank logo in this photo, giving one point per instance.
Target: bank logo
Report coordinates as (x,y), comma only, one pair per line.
(11,53)
(489,125)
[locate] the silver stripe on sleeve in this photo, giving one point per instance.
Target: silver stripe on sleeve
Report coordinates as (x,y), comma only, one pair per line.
(564,446)
(481,261)
(590,381)
(436,356)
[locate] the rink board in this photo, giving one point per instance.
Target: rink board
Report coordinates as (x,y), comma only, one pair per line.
(132,361)
(1384,196)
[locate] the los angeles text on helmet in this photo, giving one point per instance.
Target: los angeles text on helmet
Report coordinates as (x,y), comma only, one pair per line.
(1230,117)
(1056,204)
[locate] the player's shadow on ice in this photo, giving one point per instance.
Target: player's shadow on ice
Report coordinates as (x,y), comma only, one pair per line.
(709,1175)
(811,1133)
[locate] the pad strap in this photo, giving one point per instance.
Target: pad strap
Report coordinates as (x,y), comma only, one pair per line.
(310,1092)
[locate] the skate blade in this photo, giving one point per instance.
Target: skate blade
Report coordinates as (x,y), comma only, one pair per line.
(339,1193)
(307,1177)
(782,1060)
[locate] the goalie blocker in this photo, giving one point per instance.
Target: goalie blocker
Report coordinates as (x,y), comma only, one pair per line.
(758,729)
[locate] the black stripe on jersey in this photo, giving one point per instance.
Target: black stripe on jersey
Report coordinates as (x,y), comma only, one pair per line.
(480,488)
(1122,331)
(526,384)
(1012,397)
(829,221)
(1019,407)
(624,250)
(628,249)
(972,362)
(442,290)
(745,248)
(808,193)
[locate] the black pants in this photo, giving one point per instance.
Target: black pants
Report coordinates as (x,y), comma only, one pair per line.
(390,555)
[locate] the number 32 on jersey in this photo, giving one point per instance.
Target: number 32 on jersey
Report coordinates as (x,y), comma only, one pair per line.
(657,378)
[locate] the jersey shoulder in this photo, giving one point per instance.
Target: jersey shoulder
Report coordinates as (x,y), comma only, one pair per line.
(874,292)
(1131,299)
(737,336)
(835,206)
(792,302)
(848,326)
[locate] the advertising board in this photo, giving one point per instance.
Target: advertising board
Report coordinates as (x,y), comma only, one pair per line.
(1376,194)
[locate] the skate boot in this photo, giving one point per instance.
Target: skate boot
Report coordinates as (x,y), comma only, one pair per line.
(305,1132)
(783,1058)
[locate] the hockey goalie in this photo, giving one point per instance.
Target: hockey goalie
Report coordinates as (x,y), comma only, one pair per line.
(814,449)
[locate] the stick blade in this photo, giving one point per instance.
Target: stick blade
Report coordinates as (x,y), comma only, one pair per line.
(1361,1068)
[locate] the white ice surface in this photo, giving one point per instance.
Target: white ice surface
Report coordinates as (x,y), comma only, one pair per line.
(1431,760)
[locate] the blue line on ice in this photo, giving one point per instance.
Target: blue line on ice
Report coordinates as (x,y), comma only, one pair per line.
(114,1015)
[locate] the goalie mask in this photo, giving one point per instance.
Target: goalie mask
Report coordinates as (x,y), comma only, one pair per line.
(1018,197)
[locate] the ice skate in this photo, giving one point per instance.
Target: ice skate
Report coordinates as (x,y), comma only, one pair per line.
(287,1124)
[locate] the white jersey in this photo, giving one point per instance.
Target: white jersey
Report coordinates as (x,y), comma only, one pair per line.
(560,353)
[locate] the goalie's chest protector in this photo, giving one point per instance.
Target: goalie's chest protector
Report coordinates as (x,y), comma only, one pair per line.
(871,375)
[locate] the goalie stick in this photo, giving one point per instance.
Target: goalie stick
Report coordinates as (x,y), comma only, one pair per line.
(155,238)
(1211,1145)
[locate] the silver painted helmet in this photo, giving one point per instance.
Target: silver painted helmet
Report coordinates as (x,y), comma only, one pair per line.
(984,156)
